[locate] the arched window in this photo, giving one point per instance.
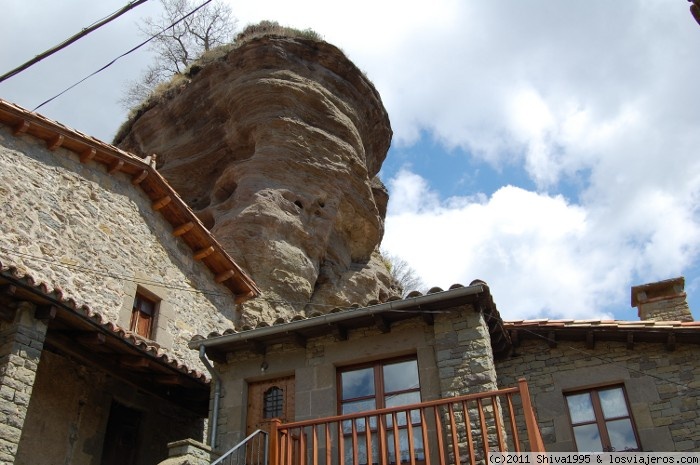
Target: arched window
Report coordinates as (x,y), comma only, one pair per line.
(273,402)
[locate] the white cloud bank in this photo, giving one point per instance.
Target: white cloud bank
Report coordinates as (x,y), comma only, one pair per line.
(541,255)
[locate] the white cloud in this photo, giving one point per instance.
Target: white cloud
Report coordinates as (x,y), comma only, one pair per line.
(541,255)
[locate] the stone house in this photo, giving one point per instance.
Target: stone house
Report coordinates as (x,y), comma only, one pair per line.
(595,385)
(105,275)
(614,384)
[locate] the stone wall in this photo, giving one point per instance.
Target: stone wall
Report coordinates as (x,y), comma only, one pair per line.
(95,236)
(663,388)
(454,357)
(464,354)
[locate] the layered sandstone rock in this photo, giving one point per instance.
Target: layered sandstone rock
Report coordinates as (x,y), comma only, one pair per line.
(276,147)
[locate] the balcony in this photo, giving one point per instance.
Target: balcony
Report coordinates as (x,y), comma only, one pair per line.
(454,431)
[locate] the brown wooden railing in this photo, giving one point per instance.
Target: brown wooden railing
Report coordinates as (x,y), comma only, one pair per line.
(453,431)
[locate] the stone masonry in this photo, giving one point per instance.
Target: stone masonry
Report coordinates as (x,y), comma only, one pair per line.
(663,387)
(95,237)
(464,355)
(21,342)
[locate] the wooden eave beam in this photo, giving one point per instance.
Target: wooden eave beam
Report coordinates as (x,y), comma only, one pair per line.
(428,318)
(116,166)
(671,342)
(160,203)
(590,340)
(382,323)
(341,332)
(7,313)
(182,229)
(298,339)
(91,338)
(630,341)
(203,253)
(240,298)
(258,347)
(138,179)
(46,312)
(21,127)
(221,277)
(8,290)
(170,380)
(88,154)
(515,337)
(55,142)
(552,339)
(134,361)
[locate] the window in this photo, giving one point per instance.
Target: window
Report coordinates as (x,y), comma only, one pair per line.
(601,420)
(273,402)
(379,385)
(142,315)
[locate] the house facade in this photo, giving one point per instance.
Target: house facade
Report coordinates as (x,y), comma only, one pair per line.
(614,385)
(595,385)
(105,275)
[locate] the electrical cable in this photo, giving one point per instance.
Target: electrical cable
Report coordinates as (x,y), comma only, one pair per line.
(124,54)
(94,26)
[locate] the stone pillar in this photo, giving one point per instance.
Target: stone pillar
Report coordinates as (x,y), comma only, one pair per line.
(21,343)
(465,366)
(463,352)
(188,452)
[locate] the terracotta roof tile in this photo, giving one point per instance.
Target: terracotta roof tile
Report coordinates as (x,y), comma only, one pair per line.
(145,346)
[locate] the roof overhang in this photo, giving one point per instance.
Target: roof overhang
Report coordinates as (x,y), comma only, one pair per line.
(82,335)
(552,332)
(143,174)
(340,322)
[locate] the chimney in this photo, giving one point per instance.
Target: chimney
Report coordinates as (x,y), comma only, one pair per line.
(662,301)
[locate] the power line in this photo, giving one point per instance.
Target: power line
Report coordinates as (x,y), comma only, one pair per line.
(94,26)
(124,54)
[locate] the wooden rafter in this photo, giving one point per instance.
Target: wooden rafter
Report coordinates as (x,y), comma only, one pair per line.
(182,229)
(203,253)
(88,154)
(55,142)
(221,277)
(161,202)
(21,127)
(138,179)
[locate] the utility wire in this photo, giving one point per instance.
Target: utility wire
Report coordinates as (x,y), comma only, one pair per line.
(72,39)
(124,54)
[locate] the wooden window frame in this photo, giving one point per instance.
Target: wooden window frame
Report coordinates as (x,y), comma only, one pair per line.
(380,393)
(136,324)
(599,417)
(377,365)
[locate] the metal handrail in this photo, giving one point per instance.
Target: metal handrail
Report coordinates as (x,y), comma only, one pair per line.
(242,444)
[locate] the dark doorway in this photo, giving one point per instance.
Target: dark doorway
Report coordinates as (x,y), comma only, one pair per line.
(121,437)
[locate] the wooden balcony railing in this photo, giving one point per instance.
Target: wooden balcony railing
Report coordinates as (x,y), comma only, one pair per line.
(453,431)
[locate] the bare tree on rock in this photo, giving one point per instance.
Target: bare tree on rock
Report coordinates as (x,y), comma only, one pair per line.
(405,277)
(176,47)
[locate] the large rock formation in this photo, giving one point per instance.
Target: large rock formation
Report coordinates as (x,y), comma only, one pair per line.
(276,147)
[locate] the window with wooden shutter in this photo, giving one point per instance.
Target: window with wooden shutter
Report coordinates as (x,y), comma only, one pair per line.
(142,315)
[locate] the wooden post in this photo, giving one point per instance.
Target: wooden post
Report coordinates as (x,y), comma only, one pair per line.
(273,459)
(533,431)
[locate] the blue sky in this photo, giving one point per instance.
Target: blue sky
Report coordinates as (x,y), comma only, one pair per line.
(548,148)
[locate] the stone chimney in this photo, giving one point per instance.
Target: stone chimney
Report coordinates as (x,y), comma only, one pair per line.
(662,301)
